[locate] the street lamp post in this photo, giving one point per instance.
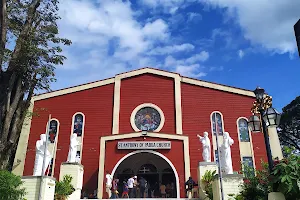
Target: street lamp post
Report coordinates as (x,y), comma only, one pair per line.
(268,117)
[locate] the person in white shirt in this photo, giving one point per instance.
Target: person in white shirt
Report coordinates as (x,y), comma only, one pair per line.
(108,183)
(130,184)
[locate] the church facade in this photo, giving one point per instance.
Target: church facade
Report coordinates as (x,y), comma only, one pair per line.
(145,123)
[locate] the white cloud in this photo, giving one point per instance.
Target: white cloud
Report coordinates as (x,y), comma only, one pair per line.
(268,23)
(193,15)
(167,6)
(202,56)
(241,54)
(102,22)
(172,49)
(220,68)
(190,70)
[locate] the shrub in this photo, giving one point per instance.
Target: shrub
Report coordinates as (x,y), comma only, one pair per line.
(10,186)
(64,188)
(286,175)
(207,180)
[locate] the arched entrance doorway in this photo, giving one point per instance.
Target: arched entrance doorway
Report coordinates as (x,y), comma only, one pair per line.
(153,166)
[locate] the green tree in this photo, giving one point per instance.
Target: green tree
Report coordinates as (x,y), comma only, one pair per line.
(289,128)
(10,186)
(30,48)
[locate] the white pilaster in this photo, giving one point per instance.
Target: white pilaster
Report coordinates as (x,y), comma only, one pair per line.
(116,112)
(178,108)
(274,143)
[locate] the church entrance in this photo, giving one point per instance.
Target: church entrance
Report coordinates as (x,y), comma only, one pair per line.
(154,169)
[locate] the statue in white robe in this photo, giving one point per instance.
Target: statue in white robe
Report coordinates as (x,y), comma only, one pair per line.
(206,152)
(39,156)
(226,161)
(73,148)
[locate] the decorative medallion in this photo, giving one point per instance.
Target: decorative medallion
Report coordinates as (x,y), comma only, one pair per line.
(147,117)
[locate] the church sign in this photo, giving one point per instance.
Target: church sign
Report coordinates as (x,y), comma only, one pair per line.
(145,145)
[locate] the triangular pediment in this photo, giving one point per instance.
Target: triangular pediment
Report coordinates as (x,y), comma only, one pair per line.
(142,71)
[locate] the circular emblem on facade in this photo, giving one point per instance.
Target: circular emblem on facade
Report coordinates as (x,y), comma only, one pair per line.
(147,117)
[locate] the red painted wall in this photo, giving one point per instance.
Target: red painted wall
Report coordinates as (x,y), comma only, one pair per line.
(97,105)
(197,105)
(175,155)
(147,88)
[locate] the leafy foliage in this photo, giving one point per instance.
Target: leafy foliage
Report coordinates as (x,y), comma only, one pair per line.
(286,175)
(64,188)
(289,127)
(10,186)
(30,49)
(207,180)
(256,185)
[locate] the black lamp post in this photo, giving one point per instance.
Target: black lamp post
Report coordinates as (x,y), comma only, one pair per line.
(268,117)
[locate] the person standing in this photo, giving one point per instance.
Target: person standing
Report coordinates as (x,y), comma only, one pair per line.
(142,184)
(109,179)
(125,190)
(114,189)
(189,185)
(130,183)
(162,190)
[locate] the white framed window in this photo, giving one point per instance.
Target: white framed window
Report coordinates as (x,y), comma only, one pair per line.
(53,133)
(78,123)
(244,135)
(217,123)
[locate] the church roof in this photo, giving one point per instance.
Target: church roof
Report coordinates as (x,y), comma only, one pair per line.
(146,70)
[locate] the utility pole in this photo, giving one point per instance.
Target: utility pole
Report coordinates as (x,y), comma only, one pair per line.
(297,35)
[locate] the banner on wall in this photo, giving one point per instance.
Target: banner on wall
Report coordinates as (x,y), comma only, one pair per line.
(145,145)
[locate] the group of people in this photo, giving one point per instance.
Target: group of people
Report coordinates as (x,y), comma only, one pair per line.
(134,188)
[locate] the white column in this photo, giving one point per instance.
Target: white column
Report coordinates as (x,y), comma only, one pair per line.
(275,143)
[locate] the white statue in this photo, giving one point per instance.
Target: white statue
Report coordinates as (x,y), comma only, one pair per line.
(73,148)
(39,156)
(226,161)
(206,152)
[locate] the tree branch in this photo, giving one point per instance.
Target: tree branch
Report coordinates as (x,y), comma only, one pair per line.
(3,25)
(24,33)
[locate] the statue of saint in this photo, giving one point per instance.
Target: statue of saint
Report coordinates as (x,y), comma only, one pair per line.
(73,148)
(206,152)
(39,156)
(226,161)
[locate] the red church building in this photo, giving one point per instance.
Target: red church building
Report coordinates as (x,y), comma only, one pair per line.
(144,122)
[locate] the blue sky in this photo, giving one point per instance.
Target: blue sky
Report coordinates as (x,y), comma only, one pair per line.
(238,43)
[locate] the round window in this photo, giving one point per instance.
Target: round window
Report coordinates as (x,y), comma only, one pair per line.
(147,119)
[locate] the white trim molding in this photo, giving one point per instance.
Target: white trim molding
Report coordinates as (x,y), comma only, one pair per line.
(116,112)
(178,107)
(82,134)
(144,105)
(246,148)
(104,139)
(155,153)
(19,161)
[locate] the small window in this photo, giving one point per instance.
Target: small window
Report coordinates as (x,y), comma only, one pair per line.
(217,123)
(216,156)
(53,130)
(243,130)
(78,124)
(248,166)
